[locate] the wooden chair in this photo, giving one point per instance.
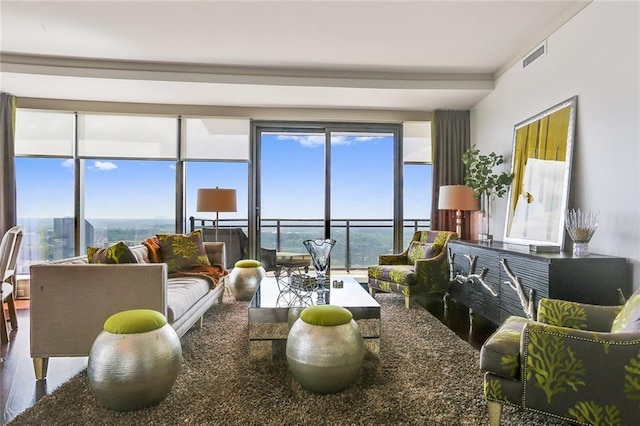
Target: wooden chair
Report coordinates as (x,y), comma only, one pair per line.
(9,249)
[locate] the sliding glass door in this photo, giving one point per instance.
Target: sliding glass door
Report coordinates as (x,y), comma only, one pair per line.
(328,181)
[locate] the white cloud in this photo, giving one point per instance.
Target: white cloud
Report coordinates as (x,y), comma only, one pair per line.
(350,140)
(103,165)
(68,163)
(317,140)
(305,140)
(172,166)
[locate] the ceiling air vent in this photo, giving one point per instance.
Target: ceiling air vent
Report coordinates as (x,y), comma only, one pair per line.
(535,54)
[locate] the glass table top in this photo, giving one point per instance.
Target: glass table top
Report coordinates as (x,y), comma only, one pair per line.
(271,294)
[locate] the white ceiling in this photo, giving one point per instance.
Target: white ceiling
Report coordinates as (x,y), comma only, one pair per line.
(387,55)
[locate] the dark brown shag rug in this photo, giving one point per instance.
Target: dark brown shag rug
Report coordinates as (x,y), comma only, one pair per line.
(426,375)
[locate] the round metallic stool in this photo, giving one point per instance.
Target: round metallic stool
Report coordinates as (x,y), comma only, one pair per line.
(135,360)
(245,278)
(325,349)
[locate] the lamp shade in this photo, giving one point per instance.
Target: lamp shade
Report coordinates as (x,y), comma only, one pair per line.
(216,200)
(457,197)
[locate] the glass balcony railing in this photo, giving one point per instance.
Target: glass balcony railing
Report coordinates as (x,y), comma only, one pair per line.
(359,241)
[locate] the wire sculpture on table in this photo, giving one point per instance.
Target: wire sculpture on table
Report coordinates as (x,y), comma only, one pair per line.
(295,286)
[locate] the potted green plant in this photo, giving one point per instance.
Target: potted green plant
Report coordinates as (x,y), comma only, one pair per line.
(486,184)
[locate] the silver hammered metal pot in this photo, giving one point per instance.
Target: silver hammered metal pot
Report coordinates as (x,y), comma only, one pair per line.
(245,281)
(325,359)
(132,371)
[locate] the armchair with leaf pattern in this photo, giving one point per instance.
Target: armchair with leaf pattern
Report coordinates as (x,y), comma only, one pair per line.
(577,362)
(421,269)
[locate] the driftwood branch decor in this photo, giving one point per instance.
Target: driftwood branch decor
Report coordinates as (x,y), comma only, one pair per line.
(471,277)
(527,302)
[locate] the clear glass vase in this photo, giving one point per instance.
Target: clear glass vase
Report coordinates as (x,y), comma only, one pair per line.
(581,226)
(486,202)
(320,250)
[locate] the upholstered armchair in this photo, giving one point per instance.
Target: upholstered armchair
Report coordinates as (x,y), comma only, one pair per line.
(422,268)
(576,362)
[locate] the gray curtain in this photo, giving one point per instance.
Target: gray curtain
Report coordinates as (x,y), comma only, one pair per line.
(450,138)
(8,177)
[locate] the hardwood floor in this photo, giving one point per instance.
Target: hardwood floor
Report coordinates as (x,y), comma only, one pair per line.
(19,389)
(470,328)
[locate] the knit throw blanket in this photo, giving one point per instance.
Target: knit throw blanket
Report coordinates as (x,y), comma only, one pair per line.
(213,274)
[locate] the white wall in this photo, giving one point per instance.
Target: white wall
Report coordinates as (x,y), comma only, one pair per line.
(596,56)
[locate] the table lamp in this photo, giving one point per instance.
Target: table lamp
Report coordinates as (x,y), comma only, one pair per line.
(216,200)
(458,198)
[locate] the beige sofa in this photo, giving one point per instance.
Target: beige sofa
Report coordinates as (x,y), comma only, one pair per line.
(71,299)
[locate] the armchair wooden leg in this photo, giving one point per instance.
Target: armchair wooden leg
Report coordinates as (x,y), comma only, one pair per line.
(407,302)
(13,317)
(495,412)
(40,366)
(4,333)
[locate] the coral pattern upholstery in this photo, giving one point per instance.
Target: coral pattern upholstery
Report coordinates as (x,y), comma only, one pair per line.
(577,362)
(422,268)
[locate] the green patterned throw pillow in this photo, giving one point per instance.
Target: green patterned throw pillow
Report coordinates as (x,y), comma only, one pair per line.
(420,250)
(116,253)
(629,317)
(182,251)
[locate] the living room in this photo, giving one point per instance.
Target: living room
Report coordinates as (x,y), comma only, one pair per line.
(593,55)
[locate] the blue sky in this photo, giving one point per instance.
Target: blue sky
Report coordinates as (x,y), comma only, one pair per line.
(292,183)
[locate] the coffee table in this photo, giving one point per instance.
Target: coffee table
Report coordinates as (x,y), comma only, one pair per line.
(271,311)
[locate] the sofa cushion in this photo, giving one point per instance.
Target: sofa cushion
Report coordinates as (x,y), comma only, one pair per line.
(247,263)
(116,253)
(500,354)
(398,274)
(134,321)
(182,251)
(182,294)
(141,253)
(326,315)
(420,250)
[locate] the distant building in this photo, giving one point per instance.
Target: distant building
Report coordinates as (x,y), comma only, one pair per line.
(63,232)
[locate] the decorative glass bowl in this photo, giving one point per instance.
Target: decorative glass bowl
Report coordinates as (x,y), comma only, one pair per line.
(581,227)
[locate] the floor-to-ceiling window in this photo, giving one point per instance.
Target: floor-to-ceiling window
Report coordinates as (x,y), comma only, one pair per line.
(45,185)
(128,174)
(215,152)
(94,179)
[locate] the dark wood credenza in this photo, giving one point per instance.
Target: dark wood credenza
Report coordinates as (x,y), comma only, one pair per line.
(498,280)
